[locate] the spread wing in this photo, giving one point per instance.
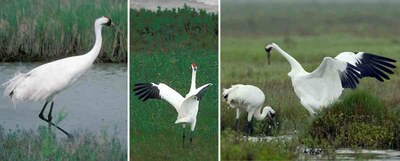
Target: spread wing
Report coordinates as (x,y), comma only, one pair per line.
(146,91)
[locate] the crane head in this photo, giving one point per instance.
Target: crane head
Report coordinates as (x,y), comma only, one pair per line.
(268,49)
(271,115)
(193,67)
(106,21)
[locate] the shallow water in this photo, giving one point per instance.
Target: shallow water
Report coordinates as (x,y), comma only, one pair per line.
(208,5)
(349,154)
(97,101)
(340,154)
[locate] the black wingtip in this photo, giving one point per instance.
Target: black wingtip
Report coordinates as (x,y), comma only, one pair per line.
(201,93)
(145,91)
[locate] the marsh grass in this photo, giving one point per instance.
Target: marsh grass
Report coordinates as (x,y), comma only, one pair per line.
(171,29)
(235,147)
(42,144)
(359,120)
(33,31)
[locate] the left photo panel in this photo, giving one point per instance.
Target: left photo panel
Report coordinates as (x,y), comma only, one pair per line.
(63,74)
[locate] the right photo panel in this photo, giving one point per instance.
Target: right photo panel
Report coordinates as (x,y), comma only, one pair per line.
(311,79)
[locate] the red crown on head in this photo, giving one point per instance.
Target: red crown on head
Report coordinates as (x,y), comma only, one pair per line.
(193,64)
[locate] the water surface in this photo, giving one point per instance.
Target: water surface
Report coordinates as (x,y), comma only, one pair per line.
(97,101)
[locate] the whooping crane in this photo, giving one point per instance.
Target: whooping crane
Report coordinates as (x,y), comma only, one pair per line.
(250,99)
(187,107)
(325,84)
(44,82)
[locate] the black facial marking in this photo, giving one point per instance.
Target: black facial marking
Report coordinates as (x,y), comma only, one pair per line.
(268,50)
(109,21)
(272,114)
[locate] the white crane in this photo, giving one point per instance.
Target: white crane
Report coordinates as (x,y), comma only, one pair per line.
(325,84)
(187,107)
(250,99)
(44,82)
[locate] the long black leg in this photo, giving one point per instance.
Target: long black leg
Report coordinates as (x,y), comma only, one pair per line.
(191,136)
(249,127)
(41,112)
(183,137)
(49,117)
(48,121)
(236,124)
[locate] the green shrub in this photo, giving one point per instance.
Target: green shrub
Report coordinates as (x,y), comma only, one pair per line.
(360,120)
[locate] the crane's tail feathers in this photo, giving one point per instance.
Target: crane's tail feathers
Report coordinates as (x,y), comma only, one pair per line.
(225,91)
(182,120)
(12,84)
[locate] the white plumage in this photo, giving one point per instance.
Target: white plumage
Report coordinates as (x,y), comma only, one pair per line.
(325,84)
(186,107)
(44,82)
(250,99)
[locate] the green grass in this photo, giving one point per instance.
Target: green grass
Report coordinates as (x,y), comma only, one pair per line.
(42,144)
(47,30)
(154,136)
(309,31)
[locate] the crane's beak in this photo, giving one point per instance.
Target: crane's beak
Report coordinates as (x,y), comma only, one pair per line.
(116,27)
(275,123)
(273,118)
(268,50)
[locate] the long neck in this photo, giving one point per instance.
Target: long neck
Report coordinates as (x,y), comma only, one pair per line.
(193,85)
(260,116)
(296,66)
(92,54)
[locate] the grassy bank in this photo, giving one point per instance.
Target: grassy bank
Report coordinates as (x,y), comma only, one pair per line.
(42,144)
(46,30)
(168,30)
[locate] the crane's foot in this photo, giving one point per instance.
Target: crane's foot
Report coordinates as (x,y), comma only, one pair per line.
(191,138)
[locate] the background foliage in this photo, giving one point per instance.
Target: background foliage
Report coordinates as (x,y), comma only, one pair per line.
(46,30)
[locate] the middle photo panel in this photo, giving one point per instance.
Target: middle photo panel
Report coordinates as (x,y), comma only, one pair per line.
(173,82)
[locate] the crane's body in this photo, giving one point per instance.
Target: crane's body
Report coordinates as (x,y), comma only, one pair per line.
(187,107)
(44,82)
(250,99)
(325,84)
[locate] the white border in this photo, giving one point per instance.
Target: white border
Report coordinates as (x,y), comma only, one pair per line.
(219,80)
(127,82)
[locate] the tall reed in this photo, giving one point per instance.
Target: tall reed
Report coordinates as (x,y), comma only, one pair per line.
(47,30)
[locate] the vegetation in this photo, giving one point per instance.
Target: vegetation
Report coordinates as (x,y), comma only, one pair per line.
(309,31)
(42,144)
(360,120)
(164,45)
(47,30)
(168,30)
(235,147)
